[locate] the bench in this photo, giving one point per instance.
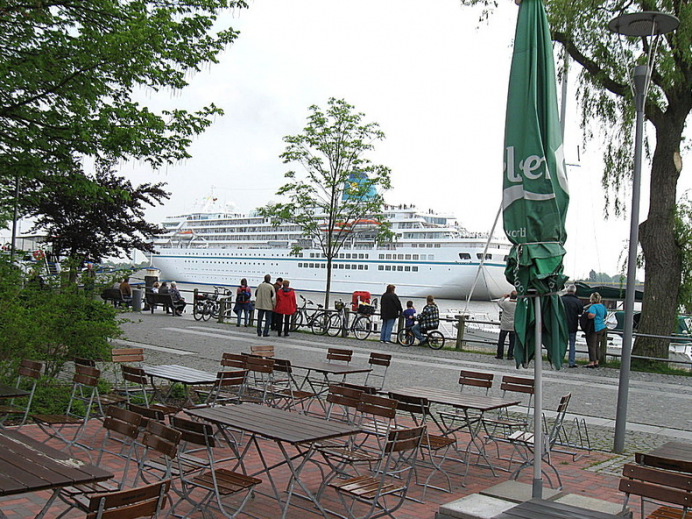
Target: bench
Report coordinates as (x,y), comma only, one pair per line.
(113,295)
(660,487)
(164,300)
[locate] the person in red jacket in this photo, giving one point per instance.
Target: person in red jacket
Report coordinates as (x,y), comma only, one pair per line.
(285,307)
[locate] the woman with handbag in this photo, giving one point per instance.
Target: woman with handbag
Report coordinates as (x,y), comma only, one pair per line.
(595,312)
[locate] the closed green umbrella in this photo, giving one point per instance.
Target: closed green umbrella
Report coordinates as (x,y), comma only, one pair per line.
(535,194)
(534,201)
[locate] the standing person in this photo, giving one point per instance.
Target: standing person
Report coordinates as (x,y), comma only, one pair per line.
(508,304)
(573,309)
(242,301)
(428,319)
(265,300)
(286,306)
(276,322)
(410,314)
(597,312)
(390,310)
(177,299)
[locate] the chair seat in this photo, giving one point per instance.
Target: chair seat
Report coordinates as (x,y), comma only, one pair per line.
(435,442)
(5,409)
(228,482)
(522,437)
(666,512)
(368,487)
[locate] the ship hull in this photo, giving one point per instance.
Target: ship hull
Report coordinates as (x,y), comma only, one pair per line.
(442,275)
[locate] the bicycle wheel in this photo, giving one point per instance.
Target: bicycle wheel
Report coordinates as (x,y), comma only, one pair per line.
(199,310)
(207,310)
(296,320)
(436,340)
(405,337)
(320,323)
(335,325)
(362,327)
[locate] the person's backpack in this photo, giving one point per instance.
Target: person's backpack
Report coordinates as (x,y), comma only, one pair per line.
(243,297)
(585,323)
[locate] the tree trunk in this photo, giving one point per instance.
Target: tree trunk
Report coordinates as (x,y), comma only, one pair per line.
(663,267)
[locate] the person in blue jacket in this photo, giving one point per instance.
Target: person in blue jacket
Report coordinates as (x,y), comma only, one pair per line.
(597,312)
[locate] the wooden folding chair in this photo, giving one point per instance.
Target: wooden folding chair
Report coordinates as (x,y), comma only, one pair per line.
(198,469)
(230,387)
(389,481)
(234,361)
(160,448)
(435,445)
(28,376)
(260,379)
(287,394)
(82,406)
(145,501)
(455,420)
(136,382)
(524,444)
(379,362)
(339,355)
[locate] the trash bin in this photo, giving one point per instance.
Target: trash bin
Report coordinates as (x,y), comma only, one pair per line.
(151,277)
(136,300)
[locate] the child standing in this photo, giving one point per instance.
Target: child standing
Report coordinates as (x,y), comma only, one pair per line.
(410,314)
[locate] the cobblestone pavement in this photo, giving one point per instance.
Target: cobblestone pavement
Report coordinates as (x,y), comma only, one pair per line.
(658,410)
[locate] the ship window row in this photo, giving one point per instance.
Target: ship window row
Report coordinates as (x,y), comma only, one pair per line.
(342,255)
(398,268)
(423,245)
(414,257)
(340,266)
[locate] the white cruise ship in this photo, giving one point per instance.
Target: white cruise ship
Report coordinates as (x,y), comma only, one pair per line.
(431,254)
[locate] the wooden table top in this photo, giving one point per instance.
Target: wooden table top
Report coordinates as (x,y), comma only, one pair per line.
(542,509)
(274,424)
(458,399)
(182,374)
(11,392)
(27,465)
(330,368)
(679,454)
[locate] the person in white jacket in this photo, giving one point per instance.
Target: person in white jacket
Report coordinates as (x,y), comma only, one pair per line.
(508,304)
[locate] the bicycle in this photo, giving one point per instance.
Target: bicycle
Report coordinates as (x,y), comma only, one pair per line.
(434,339)
(361,326)
(315,317)
(207,305)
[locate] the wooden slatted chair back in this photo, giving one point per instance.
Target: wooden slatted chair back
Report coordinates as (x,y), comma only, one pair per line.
(127,355)
(259,364)
(226,379)
(86,376)
(197,433)
(416,406)
(517,385)
(380,359)
(147,413)
(81,361)
(262,350)
(144,501)
(401,440)
(660,485)
(379,364)
(161,438)
(344,396)
(339,355)
(30,368)
(371,390)
(122,421)
(475,379)
(233,360)
(134,375)
(377,406)
(283,366)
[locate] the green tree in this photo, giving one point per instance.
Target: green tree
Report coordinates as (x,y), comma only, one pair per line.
(89,217)
(340,187)
(684,238)
(69,70)
(605,97)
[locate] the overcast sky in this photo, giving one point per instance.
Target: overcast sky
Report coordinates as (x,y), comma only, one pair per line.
(430,75)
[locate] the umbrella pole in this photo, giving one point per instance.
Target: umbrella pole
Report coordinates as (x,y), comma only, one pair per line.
(537,489)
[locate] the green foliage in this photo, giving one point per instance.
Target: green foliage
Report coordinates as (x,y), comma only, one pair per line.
(69,70)
(339,185)
(53,324)
(88,217)
(683,231)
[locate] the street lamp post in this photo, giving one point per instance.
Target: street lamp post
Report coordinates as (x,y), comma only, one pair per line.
(645,24)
